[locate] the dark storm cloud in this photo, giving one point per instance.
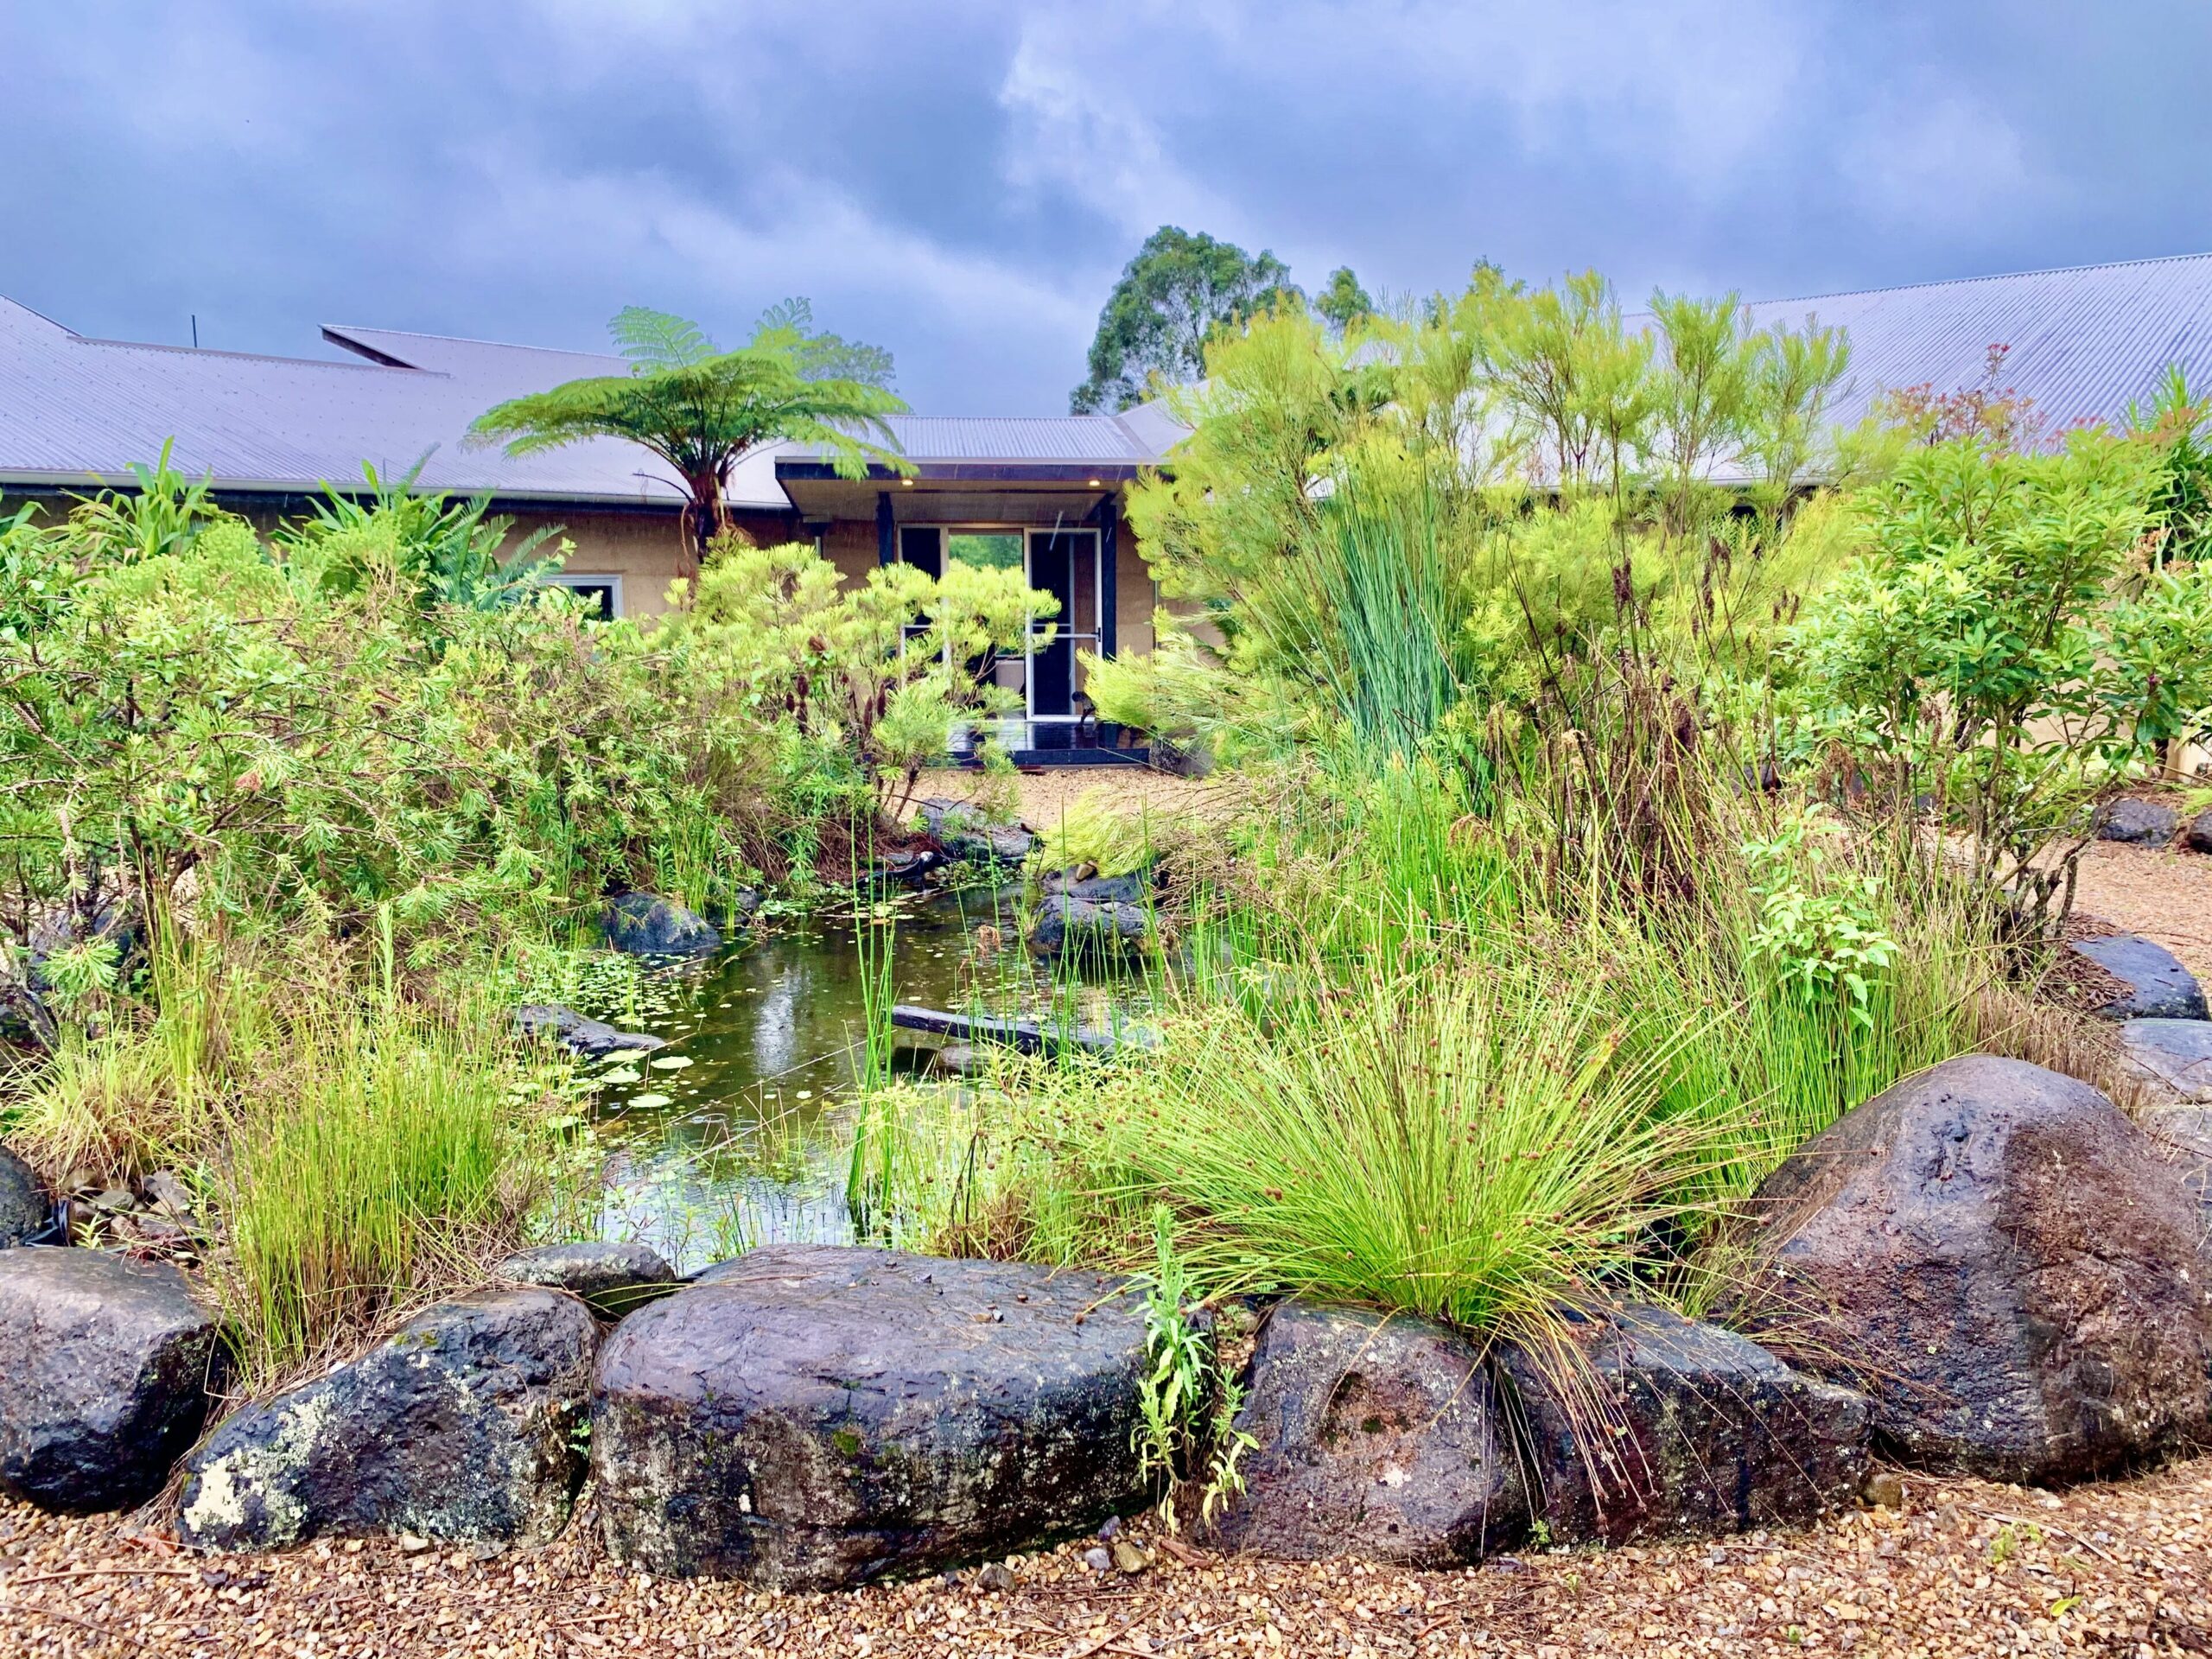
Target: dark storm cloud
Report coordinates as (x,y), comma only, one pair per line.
(961,183)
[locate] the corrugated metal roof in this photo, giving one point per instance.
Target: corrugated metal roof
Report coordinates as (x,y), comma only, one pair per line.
(2084,342)
(75,409)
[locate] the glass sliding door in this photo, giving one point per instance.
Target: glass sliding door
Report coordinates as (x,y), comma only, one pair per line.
(1064,563)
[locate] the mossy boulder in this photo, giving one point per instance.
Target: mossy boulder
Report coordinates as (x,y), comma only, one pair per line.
(466,1424)
(817,1417)
(646,925)
(26,1210)
(1377,1435)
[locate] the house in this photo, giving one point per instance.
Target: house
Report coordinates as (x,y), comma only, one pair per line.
(1044,490)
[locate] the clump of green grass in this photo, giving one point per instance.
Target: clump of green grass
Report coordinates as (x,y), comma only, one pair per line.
(382,1155)
(1470,1144)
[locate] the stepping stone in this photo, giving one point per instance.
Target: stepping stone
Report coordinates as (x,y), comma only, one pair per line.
(614,1280)
(2174,1057)
(2159,987)
(591,1039)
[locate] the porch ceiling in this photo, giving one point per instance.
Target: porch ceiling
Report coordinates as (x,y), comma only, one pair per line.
(951,500)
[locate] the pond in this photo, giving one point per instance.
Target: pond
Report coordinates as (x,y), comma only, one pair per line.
(735,1133)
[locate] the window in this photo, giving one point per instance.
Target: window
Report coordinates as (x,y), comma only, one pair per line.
(604,591)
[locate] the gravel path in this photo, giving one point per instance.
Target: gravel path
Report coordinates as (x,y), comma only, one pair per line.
(1964,1569)
(2162,895)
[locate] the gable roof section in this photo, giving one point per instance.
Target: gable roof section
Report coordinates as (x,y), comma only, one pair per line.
(2085,341)
(76,411)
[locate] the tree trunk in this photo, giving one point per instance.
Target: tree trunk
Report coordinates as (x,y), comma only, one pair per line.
(705,516)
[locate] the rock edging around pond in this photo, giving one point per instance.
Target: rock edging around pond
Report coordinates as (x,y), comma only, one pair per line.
(1986,1270)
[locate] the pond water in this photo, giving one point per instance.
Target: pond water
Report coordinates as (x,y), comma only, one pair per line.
(735,1133)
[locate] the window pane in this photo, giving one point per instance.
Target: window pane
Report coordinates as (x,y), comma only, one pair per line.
(991,549)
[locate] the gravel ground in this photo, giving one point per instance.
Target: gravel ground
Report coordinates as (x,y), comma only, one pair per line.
(2160,893)
(1963,1568)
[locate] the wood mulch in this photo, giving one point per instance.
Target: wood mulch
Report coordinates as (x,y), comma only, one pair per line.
(1966,1567)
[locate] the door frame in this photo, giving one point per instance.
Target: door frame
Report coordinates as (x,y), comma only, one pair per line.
(1029,530)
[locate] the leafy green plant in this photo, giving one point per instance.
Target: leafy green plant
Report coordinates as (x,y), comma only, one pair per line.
(1819,929)
(1187,1408)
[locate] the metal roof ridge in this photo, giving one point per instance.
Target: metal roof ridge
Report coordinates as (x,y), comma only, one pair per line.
(246,357)
(1986,277)
(464,339)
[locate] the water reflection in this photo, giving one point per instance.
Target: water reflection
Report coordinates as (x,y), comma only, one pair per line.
(730,1136)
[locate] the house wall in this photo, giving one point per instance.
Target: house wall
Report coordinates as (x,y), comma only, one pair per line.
(643,549)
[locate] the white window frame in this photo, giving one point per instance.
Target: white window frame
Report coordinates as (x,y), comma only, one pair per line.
(585,579)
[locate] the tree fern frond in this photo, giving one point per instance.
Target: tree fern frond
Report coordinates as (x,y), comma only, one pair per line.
(656,339)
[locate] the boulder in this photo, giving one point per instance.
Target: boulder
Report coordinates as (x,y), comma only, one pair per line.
(105,1366)
(1066,924)
(26,1211)
(2198,837)
(1133,888)
(592,1039)
(1699,1432)
(1378,1435)
(463,1425)
(2159,987)
(908,868)
(646,925)
(611,1279)
(2172,1057)
(964,833)
(2185,1134)
(811,1417)
(2003,1263)
(2140,822)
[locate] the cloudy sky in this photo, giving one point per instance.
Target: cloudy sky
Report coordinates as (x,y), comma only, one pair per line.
(961,183)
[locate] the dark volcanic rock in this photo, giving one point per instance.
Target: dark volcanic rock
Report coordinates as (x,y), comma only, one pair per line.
(2174,1057)
(104,1369)
(966,834)
(1378,1435)
(26,1211)
(2198,837)
(2159,987)
(1131,889)
(2144,822)
(592,1038)
(613,1279)
(2003,1263)
(1066,924)
(1702,1431)
(463,1426)
(812,1417)
(646,925)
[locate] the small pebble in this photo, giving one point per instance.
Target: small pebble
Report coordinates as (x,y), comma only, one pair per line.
(1883,1490)
(995,1577)
(1096,1558)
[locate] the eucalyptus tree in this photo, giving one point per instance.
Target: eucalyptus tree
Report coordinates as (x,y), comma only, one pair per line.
(702,409)
(1181,286)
